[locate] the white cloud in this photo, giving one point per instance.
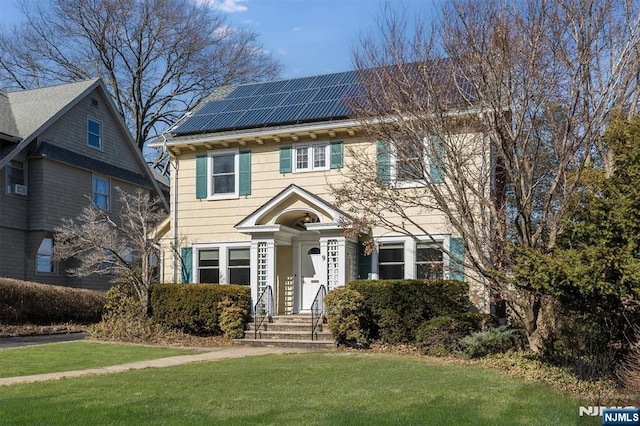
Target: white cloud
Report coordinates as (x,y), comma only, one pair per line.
(229,6)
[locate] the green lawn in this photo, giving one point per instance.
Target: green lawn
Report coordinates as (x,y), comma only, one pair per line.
(25,361)
(326,389)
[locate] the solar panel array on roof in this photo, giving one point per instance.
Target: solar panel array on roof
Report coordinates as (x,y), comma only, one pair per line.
(307,99)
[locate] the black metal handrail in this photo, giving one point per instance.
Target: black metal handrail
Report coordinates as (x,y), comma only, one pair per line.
(262,310)
(317,310)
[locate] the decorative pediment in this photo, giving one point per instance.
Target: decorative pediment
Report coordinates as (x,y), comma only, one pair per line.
(293,207)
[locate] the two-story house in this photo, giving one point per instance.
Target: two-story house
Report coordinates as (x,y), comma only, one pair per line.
(61,147)
(251,201)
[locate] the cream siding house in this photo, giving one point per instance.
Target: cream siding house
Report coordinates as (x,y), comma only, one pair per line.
(61,147)
(251,201)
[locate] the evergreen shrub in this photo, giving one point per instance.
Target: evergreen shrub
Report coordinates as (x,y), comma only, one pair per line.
(347,317)
(398,307)
(195,308)
(23,302)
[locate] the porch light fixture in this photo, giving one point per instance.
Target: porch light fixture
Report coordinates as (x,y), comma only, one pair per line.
(307,218)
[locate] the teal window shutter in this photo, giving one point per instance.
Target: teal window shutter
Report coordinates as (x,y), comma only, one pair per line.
(364,263)
(245,173)
(383,162)
(187,262)
(456,259)
(201,176)
(436,169)
(285,159)
(337,154)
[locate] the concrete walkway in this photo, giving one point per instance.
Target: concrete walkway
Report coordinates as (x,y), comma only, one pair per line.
(212,354)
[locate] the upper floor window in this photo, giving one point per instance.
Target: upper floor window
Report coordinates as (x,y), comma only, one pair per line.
(307,157)
(94,133)
(310,157)
(409,162)
(223,174)
(44,257)
(100,194)
(16,177)
(223,168)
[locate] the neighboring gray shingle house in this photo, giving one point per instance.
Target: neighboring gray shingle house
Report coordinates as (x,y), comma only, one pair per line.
(59,147)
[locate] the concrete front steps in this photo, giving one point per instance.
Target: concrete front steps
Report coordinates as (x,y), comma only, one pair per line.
(290,331)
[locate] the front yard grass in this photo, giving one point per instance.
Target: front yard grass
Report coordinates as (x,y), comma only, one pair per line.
(324,388)
(56,357)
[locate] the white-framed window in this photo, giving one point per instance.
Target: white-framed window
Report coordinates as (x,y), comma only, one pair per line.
(239,268)
(44,257)
(94,133)
(209,266)
(223,263)
(100,192)
(15,175)
(223,174)
(429,261)
(391,261)
(309,157)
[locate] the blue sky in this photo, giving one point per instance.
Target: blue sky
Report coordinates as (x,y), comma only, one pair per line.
(309,37)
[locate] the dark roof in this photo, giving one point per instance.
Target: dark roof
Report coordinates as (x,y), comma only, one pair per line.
(300,100)
(48,150)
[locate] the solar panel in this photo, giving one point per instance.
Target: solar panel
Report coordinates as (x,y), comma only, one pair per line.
(255,117)
(243,91)
(277,102)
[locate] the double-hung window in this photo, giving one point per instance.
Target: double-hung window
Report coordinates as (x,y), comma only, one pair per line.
(429,261)
(100,194)
(15,176)
(239,266)
(311,157)
(209,266)
(407,162)
(223,174)
(391,261)
(94,133)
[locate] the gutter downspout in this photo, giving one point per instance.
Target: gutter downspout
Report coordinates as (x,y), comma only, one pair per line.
(173,187)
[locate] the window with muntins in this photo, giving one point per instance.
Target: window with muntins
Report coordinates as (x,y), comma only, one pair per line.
(94,133)
(391,261)
(239,266)
(44,257)
(100,194)
(429,261)
(311,157)
(209,266)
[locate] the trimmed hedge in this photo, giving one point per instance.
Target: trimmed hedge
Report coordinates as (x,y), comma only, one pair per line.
(399,307)
(23,302)
(195,308)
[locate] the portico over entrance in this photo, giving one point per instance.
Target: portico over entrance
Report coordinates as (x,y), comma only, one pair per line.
(297,247)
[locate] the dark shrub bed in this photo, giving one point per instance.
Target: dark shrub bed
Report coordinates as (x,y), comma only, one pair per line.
(196,308)
(399,307)
(23,302)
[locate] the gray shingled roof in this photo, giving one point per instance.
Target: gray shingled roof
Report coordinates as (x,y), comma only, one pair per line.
(33,108)
(7,122)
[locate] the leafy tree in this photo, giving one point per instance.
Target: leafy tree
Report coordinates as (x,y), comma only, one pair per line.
(121,247)
(157,57)
(511,99)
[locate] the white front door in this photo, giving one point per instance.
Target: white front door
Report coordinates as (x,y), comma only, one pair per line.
(309,281)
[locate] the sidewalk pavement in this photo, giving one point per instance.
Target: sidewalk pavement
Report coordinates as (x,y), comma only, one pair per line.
(212,354)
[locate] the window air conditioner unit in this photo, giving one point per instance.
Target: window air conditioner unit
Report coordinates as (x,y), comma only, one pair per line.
(20,189)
